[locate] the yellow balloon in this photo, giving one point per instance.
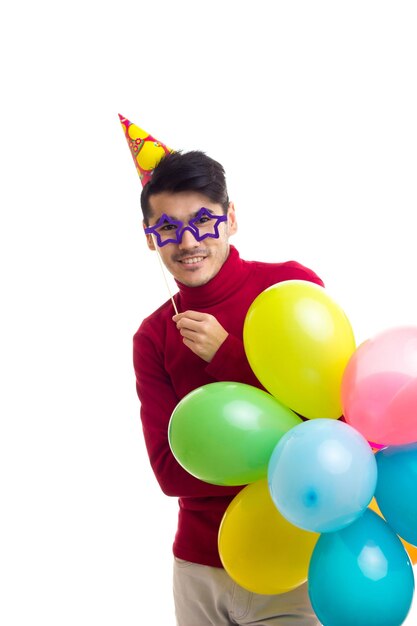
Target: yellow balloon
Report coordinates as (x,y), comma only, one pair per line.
(298,342)
(259,548)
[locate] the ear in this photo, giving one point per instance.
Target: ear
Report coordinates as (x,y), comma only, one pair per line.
(231,219)
(149,239)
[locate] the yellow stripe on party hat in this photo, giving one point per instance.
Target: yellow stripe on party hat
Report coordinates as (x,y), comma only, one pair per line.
(145,149)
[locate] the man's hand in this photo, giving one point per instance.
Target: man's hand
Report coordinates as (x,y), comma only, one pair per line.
(201,332)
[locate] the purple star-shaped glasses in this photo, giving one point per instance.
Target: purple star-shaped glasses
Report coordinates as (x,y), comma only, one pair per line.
(169,230)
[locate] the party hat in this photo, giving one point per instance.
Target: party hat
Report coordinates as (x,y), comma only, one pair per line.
(145,149)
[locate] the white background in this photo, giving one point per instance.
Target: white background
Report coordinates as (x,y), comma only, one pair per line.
(310,106)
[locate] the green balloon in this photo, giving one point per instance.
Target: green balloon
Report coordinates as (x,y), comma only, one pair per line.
(224,433)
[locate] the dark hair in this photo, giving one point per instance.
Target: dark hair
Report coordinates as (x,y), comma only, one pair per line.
(186,171)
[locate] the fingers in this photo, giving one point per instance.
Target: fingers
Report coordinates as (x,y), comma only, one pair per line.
(193,321)
(201,332)
(193,315)
(197,328)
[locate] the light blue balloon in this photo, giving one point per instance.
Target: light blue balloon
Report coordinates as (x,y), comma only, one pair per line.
(396,489)
(322,475)
(361,575)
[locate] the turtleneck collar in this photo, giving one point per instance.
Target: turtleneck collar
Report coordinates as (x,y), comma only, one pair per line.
(227,281)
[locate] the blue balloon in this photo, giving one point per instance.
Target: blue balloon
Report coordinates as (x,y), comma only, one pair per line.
(361,575)
(396,490)
(322,475)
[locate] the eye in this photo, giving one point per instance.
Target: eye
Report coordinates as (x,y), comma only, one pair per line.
(167,227)
(204,219)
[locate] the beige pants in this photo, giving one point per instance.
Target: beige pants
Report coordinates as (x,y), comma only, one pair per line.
(207,596)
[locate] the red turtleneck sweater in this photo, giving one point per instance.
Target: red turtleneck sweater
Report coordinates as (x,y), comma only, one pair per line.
(166,370)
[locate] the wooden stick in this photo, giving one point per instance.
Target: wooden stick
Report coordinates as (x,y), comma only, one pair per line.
(163,273)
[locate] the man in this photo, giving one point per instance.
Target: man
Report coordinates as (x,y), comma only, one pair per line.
(188,219)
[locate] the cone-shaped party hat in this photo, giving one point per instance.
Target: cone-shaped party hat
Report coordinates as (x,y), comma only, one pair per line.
(145,149)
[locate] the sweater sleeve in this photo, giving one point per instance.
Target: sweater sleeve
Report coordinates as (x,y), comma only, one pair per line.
(230,363)
(158,400)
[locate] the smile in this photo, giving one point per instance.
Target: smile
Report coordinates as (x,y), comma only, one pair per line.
(192,260)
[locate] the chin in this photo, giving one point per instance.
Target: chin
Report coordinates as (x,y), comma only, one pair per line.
(195,279)
(196,282)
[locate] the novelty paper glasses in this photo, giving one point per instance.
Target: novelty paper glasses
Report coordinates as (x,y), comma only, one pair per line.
(169,230)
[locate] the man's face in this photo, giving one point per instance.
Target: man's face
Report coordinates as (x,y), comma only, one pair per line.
(190,261)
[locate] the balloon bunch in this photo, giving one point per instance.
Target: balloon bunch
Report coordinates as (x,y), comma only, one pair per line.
(330,498)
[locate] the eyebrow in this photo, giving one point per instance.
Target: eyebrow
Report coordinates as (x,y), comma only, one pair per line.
(173,217)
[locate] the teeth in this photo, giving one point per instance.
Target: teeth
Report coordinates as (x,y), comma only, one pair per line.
(194,259)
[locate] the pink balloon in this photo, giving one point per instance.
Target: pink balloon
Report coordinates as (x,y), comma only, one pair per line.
(379,388)
(404,406)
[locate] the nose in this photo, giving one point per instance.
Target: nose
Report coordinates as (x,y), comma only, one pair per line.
(188,239)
